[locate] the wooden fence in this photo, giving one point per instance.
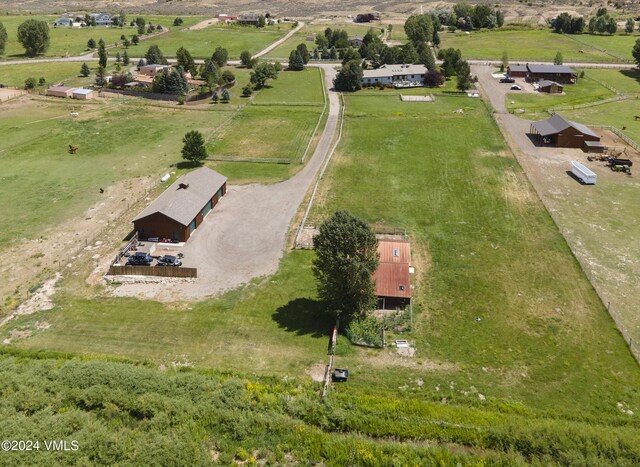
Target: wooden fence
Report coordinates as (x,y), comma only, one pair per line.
(161,271)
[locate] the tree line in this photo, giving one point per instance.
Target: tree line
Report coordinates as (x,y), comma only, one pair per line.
(601,23)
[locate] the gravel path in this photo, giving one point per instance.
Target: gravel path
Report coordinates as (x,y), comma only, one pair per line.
(244,236)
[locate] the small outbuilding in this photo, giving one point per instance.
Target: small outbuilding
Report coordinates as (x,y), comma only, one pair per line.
(83,94)
(550,87)
(59,91)
(153,70)
(517,71)
(182,207)
(392,278)
(558,131)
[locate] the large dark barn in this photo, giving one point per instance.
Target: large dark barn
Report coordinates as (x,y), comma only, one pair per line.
(181,208)
(558,131)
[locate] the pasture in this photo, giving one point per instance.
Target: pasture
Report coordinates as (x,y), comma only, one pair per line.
(73,41)
(502,308)
(522,45)
(68,72)
(618,45)
(626,81)
(201,43)
(43,185)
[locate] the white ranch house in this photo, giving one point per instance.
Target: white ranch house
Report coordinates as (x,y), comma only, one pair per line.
(390,74)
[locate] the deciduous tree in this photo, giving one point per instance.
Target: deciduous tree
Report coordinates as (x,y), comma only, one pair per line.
(349,78)
(220,56)
(3,38)
(262,73)
(186,61)
(246,59)
(346,259)
(34,36)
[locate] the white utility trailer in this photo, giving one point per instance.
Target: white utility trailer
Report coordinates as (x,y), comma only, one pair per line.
(584,174)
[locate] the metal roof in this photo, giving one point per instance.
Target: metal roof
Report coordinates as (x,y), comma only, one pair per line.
(82,91)
(518,68)
(545,82)
(561,69)
(60,88)
(184,204)
(394,70)
(392,278)
(557,123)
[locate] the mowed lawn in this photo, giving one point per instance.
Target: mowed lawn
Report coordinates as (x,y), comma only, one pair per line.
(585,91)
(293,88)
(201,43)
(501,305)
(521,45)
(73,41)
(627,81)
(269,132)
(42,184)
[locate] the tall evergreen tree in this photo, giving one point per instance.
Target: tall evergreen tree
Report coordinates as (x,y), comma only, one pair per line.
(295,61)
(3,38)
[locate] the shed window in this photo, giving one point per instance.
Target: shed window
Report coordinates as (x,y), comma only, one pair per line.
(396,252)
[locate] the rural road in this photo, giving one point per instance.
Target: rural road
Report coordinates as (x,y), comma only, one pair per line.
(89,55)
(244,236)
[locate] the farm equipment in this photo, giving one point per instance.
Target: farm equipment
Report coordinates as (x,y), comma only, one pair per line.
(620,165)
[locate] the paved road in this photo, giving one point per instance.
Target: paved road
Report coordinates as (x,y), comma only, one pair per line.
(244,236)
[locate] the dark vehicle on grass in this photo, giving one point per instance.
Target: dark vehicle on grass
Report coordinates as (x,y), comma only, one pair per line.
(507,80)
(340,375)
(139,258)
(169,260)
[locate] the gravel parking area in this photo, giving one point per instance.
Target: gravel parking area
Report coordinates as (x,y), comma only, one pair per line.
(244,236)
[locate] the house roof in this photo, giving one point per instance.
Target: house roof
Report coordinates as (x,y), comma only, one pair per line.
(60,88)
(154,66)
(250,17)
(545,82)
(561,69)
(394,70)
(82,91)
(184,204)
(392,278)
(557,123)
(521,68)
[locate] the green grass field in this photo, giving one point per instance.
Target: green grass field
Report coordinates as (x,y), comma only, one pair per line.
(300,37)
(293,88)
(270,132)
(484,247)
(619,114)
(73,41)
(43,185)
(202,42)
(584,92)
(521,45)
(68,72)
(626,81)
(619,45)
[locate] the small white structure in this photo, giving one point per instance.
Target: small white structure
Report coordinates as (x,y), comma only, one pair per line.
(584,174)
(392,74)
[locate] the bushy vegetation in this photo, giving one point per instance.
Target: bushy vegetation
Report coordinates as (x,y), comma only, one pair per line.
(121,413)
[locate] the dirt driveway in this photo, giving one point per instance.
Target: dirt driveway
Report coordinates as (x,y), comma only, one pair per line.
(600,223)
(244,236)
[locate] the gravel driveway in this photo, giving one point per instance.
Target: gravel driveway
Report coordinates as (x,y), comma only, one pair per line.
(244,236)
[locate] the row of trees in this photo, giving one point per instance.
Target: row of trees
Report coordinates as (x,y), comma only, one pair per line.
(601,23)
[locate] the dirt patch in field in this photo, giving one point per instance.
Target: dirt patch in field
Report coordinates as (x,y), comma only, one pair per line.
(517,189)
(58,247)
(39,301)
(389,357)
(7,93)
(316,372)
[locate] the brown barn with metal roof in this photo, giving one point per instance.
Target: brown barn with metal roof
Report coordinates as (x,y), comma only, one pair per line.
(392,278)
(181,208)
(561,132)
(59,91)
(550,86)
(533,73)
